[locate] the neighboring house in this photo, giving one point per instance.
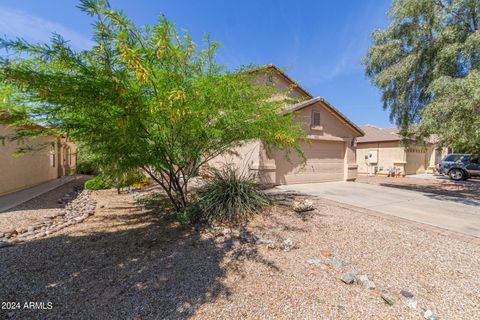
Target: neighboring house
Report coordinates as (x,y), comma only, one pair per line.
(52,158)
(329,146)
(380,151)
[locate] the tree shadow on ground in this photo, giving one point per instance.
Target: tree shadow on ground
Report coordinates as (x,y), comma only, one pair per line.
(152,270)
(467,192)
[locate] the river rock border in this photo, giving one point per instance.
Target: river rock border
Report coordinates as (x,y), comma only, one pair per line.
(76,211)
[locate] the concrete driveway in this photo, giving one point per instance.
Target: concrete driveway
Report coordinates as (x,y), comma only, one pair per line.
(456,214)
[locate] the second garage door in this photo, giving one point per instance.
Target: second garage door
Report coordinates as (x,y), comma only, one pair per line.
(324,162)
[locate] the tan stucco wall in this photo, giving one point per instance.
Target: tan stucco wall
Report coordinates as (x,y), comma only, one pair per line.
(388,154)
(68,157)
(435,156)
(245,158)
(393,154)
(35,167)
(331,129)
(284,87)
(329,147)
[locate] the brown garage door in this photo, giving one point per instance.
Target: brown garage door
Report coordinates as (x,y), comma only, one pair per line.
(415,160)
(325,162)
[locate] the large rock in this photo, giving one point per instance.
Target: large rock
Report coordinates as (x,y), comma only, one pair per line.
(303,206)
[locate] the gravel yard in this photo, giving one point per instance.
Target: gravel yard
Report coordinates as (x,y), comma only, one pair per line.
(441,186)
(35,210)
(127,263)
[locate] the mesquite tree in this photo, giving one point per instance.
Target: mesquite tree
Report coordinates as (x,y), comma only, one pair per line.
(144,97)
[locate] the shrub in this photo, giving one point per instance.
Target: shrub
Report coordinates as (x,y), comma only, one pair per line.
(86,167)
(185,217)
(230,197)
(97,183)
(144,182)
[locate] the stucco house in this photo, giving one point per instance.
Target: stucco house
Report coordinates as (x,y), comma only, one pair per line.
(329,145)
(380,151)
(54,158)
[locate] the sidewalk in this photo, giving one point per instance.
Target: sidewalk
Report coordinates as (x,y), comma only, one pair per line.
(16,198)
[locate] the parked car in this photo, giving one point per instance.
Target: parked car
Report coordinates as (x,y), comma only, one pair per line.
(460,166)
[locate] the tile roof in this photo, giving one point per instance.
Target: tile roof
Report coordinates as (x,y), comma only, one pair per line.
(376,134)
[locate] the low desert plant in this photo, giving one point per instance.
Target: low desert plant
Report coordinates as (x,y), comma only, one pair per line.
(86,167)
(230,197)
(97,183)
(185,217)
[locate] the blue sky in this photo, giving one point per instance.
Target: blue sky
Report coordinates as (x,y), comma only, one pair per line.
(320,43)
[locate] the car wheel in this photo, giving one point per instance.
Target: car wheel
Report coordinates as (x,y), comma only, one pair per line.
(457,174)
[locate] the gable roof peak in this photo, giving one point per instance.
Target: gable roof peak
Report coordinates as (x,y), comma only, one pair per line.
(284,75)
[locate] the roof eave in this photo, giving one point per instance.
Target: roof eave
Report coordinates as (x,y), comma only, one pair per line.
(334,110)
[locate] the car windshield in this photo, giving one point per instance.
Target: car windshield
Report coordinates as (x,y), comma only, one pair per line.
(453,157)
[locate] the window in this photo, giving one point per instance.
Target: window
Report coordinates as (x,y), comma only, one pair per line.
(316,119)
(453,157)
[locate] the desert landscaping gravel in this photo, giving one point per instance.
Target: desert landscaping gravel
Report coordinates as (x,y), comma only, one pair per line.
(127,263)
(35,210)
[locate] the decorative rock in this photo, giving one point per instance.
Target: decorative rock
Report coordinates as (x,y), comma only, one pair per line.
(339,263)
(326,253)
(406,294)
(75,211)
(365,282)
(303,205)
(287,244)
(411,303)
(348,278)
(370,285)
(314,262)
(271,246)
(429,315)
(264,241)
(388,298)
(11,232)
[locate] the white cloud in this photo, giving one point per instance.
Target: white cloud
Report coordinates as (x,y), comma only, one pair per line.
(15,23)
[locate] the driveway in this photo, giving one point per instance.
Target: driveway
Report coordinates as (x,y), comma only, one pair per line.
(456,214)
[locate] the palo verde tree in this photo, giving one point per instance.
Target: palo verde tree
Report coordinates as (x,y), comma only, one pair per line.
(427,65)
(145,97)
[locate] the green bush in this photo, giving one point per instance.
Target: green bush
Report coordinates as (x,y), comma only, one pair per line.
(185,217)
(97,183)
(230,197)
(86,167)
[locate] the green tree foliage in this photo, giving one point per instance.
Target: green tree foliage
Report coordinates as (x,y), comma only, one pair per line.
(427,64)
(145,98)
